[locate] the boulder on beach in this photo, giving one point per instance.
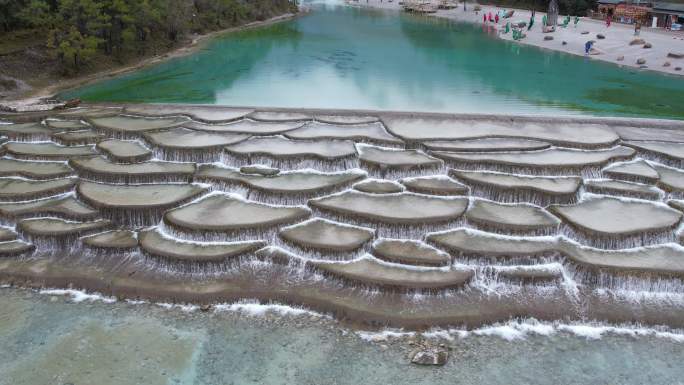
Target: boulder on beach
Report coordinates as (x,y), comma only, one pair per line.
(600,36)
(667,64)
(641,61)
(678,68)
(585,32)
(637,42)
(564,42)
(548,37)
(621,58)
(648,45)
(676,55)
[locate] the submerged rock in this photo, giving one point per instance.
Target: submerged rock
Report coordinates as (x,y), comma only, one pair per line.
(66,206)
(671,179)
(403,208)
(16,247)
(379,186)
(48,150)
(66,124)
(129,151)
(22,189)
(185,139)
(136,124)
(114,239)
(323,234)
(572,134)
(628,189)
(374,132)
(553,158)
(278,116)
(246,126)
(390,158)
(556,186)
(281,147)
(430,356)
(435,185)
(511,217)
(486,144)
(212,114)
(78,137)
(34,169)
(141,196)
(102,168)
(227,212)
(371,271)
(25,130)
(663,259)
(409,252)
(669,151)
(613,217)
(346,119)
(288,182)
(649,134)
(258,169)
(156,243)
(47,227)
(638,170)
(479,243)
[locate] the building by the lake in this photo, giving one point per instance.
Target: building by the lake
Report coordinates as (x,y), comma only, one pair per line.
(653,14)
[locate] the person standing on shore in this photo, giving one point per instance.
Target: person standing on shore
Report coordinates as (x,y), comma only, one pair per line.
(531,23)
(496,18)
(587,47)
(637,28)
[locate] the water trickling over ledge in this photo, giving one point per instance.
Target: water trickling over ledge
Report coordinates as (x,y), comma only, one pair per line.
(401,219)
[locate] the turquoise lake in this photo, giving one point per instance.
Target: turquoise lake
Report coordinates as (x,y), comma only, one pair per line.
(339,56)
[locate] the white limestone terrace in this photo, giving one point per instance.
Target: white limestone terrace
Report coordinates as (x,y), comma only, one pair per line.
(407,219)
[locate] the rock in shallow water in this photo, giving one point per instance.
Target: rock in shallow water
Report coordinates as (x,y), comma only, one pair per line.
(430,356)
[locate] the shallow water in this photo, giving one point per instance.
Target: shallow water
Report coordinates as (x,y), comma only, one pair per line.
(48,339)
(343,57)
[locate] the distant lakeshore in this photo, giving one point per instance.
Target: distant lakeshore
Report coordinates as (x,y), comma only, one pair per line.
(614,48)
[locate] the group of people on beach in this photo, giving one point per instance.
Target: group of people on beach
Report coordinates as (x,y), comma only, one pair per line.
(491,18)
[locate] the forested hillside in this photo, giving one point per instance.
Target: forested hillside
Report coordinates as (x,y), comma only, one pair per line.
(77,32)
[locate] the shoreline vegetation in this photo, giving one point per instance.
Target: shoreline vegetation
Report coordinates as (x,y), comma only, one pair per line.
(46,50)
(659,50)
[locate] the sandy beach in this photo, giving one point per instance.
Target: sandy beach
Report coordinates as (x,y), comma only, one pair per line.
(615,48)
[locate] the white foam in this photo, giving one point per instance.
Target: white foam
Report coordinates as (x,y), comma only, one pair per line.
(77,296)
(188,308)
(255,309)
(383,335)
(135,302)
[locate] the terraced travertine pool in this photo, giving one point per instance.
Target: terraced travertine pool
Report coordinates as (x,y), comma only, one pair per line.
(403,220)
(342,57)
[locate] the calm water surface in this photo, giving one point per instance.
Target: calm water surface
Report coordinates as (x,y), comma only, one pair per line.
(343,57)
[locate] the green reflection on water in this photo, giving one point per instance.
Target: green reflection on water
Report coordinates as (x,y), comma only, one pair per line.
(343,57)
